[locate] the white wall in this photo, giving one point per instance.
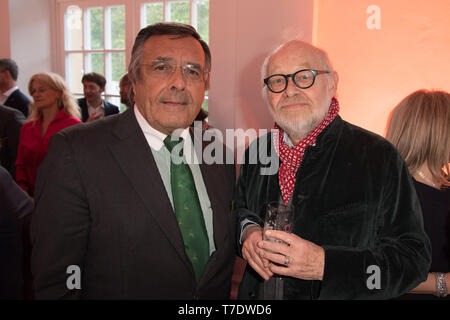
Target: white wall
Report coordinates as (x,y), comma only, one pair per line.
(242,34)
(30,38)
(5,51)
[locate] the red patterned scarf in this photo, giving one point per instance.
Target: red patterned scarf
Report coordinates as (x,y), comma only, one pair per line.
(291,158)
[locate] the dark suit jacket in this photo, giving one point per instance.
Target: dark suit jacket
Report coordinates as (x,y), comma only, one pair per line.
(15,209)
(19,101)
(102,206)
(11,121)
(110,109)
(354,197)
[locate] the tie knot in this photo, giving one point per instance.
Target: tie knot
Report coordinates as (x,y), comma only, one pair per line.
(170,144)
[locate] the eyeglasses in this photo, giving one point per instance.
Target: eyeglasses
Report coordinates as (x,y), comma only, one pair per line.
(164,69)
(303,79)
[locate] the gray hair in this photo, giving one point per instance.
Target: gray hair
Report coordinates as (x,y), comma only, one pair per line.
(323,56)
(11,66)
(164,28)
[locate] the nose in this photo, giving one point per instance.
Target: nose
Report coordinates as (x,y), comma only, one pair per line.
(177,80)
(291,88)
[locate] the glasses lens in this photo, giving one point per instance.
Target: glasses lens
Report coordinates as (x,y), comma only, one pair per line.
(159,69)
(276,83)
(165,69)
(304,78)
(192,72)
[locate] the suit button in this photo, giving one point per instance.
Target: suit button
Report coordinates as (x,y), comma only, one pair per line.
(196,297)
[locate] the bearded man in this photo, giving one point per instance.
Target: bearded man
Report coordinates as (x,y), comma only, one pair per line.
(357,230)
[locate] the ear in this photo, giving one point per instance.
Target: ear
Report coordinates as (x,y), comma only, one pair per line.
(8,74)
(333,83)
(207,76)
(133,87)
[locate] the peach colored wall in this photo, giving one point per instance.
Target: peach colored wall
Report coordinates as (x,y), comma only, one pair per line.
(379,67)
(242,34)
(5,50)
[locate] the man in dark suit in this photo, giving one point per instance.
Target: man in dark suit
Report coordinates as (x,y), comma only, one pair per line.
(92,106)
(10,95)
(11,121)
(108,224)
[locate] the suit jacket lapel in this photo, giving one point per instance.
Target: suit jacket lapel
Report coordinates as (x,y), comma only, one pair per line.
(134,155)
(107,108)
(84,109)
(11,100)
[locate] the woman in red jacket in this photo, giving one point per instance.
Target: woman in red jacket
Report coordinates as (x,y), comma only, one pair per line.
(53,109)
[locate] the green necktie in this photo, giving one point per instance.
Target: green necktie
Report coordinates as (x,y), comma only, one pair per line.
(188,211)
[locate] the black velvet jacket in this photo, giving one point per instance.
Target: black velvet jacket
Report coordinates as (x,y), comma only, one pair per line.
(354,197)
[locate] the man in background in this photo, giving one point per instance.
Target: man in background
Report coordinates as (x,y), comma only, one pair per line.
(126,92)
(92,106)
(10,94)
(11,121)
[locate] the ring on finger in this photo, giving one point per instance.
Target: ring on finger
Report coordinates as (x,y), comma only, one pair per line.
(287,260)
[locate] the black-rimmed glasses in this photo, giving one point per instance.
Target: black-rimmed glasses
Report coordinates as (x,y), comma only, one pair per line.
(303,79)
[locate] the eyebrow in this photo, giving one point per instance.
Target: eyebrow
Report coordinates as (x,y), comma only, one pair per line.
(169,59)
(195,65)
(161,59)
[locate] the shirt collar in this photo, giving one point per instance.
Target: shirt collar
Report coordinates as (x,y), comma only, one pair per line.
(287,140)
(8,92)
(156,138)
(102,105)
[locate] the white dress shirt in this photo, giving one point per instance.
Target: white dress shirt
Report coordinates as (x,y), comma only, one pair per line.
(5,95)
(162,156)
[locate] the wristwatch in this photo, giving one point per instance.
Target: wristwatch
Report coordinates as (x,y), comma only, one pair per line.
(441,286)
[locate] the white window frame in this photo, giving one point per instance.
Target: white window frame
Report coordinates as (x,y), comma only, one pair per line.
(193,19)
(133,24)
(166,13)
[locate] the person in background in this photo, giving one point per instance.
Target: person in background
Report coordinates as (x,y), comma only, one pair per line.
(92,106)
(53,109)
(15,210)
(419,127)
(126,92)
(10,94)
(11,120)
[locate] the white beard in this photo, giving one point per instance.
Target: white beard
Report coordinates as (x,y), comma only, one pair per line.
(295,127)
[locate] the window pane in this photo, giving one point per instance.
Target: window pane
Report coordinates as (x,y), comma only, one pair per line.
(152,13)
(205,104)
(95,62)
(94,28)
(116,61)
(74,71)
(118,65)
(179,11)
(117,27)
(116,101)
(203,19)
(72,24)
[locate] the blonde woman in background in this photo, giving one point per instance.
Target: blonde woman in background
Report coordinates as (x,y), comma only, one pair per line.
(420,129)
(53,109)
